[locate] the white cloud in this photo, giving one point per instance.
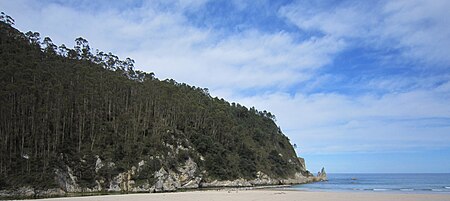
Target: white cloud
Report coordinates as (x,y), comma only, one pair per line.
(326,123)
(248,60)
(419,29)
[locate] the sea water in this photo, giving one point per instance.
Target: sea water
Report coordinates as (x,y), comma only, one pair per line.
(401,183)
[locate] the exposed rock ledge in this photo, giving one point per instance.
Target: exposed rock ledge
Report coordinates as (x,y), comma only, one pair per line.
(185,177)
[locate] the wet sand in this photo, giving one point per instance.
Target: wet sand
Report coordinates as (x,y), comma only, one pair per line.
(260,195)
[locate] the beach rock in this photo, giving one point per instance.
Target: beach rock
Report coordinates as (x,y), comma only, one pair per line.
(66,180)
(322,175)
(187,171)
(140,165)
(166,181)
(227,183)
(145,188)
(115,183)
(192,184)
(123,181)
(25,191)
(29,192)
(263,179)
(187,176)
(98,164)
(53,192)
(298,178)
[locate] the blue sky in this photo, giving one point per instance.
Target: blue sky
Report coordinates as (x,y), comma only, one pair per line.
(359,86)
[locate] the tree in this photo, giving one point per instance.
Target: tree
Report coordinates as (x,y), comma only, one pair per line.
(63,50)
(82,48)
(6,19)
(33,37)
(49,47)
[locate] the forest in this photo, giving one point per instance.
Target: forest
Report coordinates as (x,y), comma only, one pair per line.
(66,106)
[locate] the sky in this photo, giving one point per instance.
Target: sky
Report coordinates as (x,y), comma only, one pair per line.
(358,86)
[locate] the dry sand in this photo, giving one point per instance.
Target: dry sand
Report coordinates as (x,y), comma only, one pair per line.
(259,195)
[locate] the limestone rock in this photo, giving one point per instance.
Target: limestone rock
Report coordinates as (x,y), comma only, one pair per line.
(166,181)
(193,183)
(322,175)
(53,192)
(114,185)
(187,173)
(29,192)
(140,165)
(297,179)
(302,164)
(227,183)
(186,176)
(122,182)
(98,164)
(26,191)
(263,179)
(66,180)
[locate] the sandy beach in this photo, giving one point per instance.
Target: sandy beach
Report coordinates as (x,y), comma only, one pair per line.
(260,195)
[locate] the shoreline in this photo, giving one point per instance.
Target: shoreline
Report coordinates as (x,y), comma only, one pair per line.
(271,194)
(278,189)
(263,182)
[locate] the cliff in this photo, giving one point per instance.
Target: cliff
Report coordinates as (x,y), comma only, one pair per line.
(184,177)
(76,121)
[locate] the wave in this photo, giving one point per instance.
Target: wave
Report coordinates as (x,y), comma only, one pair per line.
(380,189)
(437,190)
(447,187)
(406,189)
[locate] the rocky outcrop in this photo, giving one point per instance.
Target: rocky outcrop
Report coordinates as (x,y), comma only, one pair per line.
(29,192)
(66,180)
(98,164)
(166,181)
(322,175)
(227,183)
(263,179)
(186,176)
(302,164)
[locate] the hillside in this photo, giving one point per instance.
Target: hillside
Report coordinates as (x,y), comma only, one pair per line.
(76,121)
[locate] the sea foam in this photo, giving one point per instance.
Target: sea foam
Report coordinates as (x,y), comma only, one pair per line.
(406,189)
(380,189)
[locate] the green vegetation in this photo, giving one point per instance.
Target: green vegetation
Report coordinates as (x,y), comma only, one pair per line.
(62,106)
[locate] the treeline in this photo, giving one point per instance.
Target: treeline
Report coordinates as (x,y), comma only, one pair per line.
(61,106)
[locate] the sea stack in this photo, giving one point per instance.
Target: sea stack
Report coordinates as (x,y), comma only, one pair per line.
(322,175)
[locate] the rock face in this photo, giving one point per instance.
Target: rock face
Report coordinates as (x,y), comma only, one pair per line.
(29,192)
(234,183)
(66,180)
(302,164)
(183,177)
(186,176)
(263,179)
(322,175)
(166,181)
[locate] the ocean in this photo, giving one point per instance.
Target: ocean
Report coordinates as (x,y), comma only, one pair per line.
(394,183)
